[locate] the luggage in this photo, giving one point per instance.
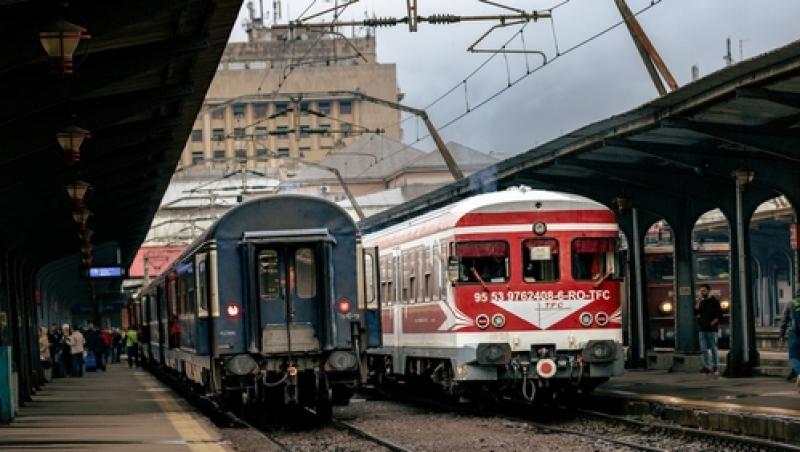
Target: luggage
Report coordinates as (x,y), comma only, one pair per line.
(91,362)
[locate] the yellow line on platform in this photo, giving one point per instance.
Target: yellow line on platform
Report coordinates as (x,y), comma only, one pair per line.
(197,436)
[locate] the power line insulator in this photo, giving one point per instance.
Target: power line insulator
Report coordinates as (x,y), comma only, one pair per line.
(380,22)
(443,19)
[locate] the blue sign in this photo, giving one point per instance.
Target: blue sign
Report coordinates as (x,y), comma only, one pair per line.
(106,272)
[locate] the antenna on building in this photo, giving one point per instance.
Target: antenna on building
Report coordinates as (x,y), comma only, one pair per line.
(695,72)
(728,58)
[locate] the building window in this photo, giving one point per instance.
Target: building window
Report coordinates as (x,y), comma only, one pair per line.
(325,129)
(324,107)
(283,132)
(238,132)
(218,112)
(304,108)
(304,131)
(347,129)
(260,132)
(219,154)
(280,107)
(283,152)
(262,154)
(345,107)
(304,151)
(197,157)
(197,135)
(238,111)
(241,154)
(218,134)
(260,110)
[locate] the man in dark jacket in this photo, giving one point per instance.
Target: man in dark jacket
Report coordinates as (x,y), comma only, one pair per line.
(96,345)
(709,314)
(791,325)
(55,338)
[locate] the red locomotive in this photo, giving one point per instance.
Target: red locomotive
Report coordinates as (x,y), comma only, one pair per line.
(517,290)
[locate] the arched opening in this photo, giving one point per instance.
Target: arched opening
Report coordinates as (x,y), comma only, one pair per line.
(659,263)
(773,263)
(712,264)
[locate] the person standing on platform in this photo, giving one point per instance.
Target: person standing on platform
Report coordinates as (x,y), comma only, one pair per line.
(116,345)
(66,350)
(98,347)
(132,342)
(77,344)
(709,314)
(44,355)
(791,324)
(54,337)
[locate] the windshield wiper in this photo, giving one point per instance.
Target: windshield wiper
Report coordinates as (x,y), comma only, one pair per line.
(478,277)
(603,278)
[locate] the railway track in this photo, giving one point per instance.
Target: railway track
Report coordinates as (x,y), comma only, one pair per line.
(613,429)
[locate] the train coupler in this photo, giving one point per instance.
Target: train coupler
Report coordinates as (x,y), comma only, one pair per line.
(290,391)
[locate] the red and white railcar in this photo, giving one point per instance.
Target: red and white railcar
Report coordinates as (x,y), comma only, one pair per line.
(518,289)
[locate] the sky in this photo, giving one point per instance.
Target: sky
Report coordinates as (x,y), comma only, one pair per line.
(602,78)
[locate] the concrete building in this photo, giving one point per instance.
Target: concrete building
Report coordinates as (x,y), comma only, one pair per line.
(271,102)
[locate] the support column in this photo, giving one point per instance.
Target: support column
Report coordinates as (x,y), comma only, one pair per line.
(686,330)
(635,314)
(743,355)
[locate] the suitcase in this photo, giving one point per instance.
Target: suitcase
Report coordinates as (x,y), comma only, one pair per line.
(91,362)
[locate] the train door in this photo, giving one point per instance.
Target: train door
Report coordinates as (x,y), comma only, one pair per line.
(290,296)
(369,299)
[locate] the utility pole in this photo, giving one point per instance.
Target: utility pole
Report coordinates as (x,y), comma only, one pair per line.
(650,57)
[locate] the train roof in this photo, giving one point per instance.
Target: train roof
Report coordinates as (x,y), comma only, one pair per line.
(281,212)
(513,199)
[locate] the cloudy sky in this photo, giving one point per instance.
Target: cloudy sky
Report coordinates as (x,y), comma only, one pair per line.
(601,78)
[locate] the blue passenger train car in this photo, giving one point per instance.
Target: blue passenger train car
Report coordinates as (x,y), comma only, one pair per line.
(272,305)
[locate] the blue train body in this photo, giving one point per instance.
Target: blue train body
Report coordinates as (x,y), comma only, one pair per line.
(273,304)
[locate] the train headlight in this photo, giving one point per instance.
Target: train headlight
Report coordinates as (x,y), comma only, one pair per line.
(599,351)
(725,305)
(498,320)
(601,318)
(493,354)
(342,360)
(665,307)
(241,364)
(586,319)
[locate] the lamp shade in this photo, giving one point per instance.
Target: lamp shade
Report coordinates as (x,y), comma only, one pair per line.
(60,39)
(86,235)
(70,140)
(81,216)
(77,192)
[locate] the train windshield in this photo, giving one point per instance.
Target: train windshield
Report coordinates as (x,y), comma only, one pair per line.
(712,266)
(594,258)
(540,260)
(482,262)
(660,267)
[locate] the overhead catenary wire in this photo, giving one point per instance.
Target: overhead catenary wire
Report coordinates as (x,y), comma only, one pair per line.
(472,108)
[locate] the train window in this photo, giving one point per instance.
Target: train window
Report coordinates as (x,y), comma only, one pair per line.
(268,274)
(712,266)
(540,260)
(202,286)
(369,280)
(659,267)
(482,261)
(594,258)
(306,272)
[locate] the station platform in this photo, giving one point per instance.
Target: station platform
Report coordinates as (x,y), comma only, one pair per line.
(763,406)
(121,409)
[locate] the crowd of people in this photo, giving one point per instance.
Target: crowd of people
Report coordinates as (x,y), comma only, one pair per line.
(70,350)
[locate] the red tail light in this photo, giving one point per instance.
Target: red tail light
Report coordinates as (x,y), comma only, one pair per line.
(343,305)
(232,310)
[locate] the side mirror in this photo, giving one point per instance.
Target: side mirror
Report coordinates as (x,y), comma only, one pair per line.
(452,269)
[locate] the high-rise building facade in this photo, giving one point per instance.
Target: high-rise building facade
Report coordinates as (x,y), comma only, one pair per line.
(278,99)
